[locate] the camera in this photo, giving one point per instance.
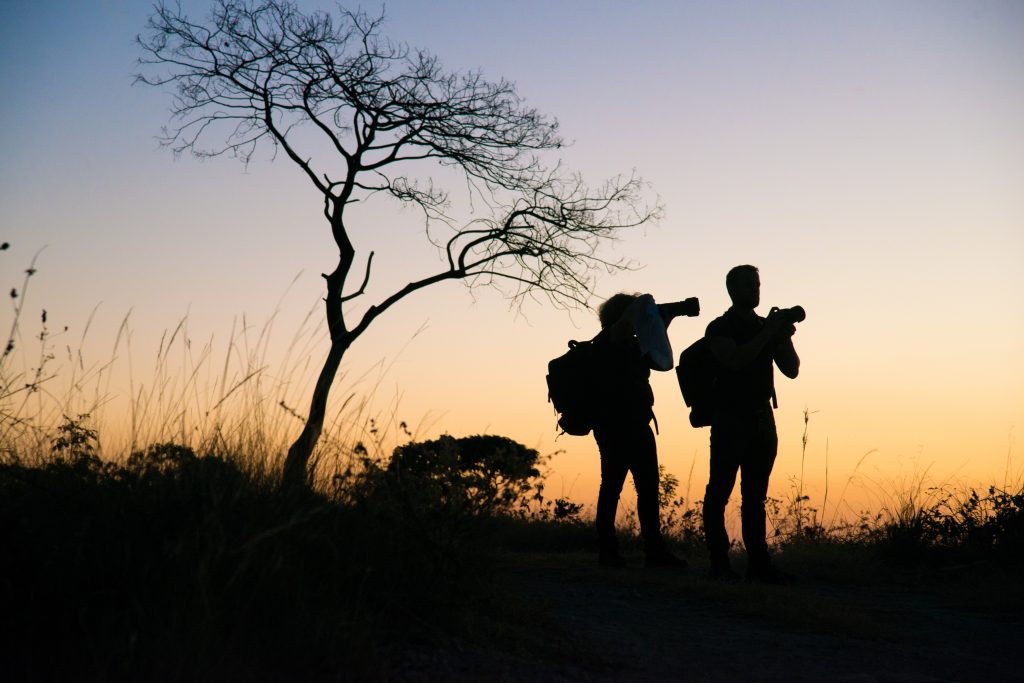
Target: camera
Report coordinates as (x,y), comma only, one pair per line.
(793,315)
(689,307)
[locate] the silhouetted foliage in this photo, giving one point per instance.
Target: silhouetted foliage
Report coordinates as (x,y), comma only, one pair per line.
(681,519)
(487,474)
(178,565)
(360,115)
(13,382)
(446,492)
(185,566)
(75,442)
(956,527)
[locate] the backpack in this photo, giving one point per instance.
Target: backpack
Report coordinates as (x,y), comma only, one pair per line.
(697,373)
(573,387)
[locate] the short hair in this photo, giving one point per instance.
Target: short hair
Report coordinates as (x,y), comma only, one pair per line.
(735,274)
(611,310)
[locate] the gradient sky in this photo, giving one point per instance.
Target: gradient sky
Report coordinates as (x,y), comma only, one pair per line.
(868,157)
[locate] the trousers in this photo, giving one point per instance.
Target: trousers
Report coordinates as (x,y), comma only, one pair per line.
(628,448)
(745,443)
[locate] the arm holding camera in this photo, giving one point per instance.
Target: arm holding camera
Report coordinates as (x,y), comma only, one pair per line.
(777,332)
(784,352)
(646,321)
(626,325)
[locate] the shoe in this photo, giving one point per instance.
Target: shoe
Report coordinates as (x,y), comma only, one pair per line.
(664,559)
(721,569)
(771,576)
(722,573)
(611,559)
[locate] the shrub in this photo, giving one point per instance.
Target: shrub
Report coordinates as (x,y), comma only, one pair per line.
(476,474)
(178,565)
(990,524)
(682,520)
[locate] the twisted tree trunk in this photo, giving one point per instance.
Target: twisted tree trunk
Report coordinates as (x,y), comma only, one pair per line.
(296,465)
(296,472)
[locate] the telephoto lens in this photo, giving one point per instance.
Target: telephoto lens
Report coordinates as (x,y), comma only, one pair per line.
(793,315)
(689,307)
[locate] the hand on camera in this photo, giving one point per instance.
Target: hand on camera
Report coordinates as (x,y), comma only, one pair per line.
(636,308)
(779,325)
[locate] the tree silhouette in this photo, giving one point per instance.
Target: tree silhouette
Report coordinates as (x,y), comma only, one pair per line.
(359,114)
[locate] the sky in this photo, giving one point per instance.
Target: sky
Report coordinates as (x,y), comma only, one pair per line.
(867,157)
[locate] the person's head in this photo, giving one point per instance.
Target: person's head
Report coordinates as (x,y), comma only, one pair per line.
(611,310)
(744,286)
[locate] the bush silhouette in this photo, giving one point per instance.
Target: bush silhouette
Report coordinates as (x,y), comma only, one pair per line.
(477,474)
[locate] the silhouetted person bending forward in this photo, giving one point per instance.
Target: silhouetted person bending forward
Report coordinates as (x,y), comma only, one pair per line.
(743,436)
(623,430)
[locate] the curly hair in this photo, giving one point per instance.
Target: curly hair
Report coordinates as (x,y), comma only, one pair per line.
(611,310)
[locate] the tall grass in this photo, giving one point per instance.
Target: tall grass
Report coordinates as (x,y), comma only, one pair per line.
(143,534)
(222,396)
(916,521)
(178,566)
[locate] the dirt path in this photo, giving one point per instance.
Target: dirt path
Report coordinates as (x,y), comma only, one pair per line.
(581,622)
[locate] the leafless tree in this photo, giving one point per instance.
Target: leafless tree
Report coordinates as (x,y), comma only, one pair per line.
(358,114)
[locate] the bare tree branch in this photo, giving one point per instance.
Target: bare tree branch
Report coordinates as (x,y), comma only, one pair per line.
(366,280)
(330,91)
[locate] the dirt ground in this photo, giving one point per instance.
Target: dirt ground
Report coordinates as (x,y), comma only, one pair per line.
(575,621)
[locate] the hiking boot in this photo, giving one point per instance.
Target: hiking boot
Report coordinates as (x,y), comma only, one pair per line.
(664,559)
(770,575)
(721,569)
(611,558)
(722,573)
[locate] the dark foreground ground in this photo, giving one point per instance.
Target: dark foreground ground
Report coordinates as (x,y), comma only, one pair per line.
(560,617)
(180,568)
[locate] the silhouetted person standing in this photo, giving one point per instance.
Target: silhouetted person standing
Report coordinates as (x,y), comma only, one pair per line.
(623,429)
(743,436)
